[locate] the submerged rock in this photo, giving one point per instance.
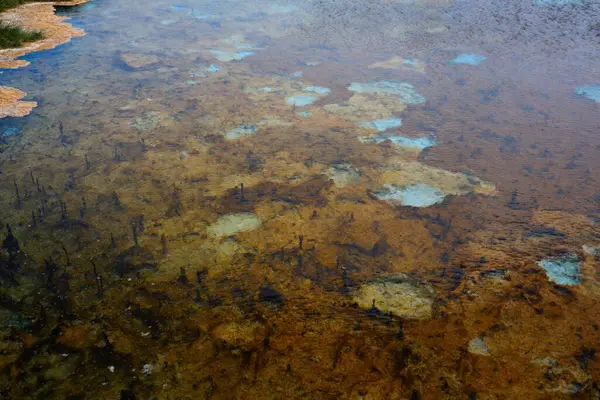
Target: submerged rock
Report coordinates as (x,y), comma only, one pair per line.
(398,294)
(233,224)
(415,195)
(402,90)
(382,125)
(564,270)
(591,250)
(147,120)
(478,346)
(592,92)
(343,174)
(138,61)
(378,107)
(241,131)
(402,141)
(469,59)
(400,62)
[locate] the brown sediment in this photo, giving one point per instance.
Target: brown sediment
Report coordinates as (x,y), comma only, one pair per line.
(33,16)
(11,104)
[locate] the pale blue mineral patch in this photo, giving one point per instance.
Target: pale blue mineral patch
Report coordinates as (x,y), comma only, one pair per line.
(241,131)
(179,7)
(318,90)
(410,61)
(415,195)
(168,21)
(300,100)
(469,59)
(565,270)
(200,15)
(213,68)
(382,124)
(10,131)
(276,8)
(404,91)
(305,113)
(227,56)
(592,92)
(403,141)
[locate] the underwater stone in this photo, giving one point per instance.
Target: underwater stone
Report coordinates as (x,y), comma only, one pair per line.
(402,141)
(146,121)
(402,90)
(233,224)
(565,270)
(399,294)
(300,100)
(478,346)
(469,59)
(343,174)
(592,92)
(137,61)
(593,251)
(227,56)
(382,124)
(415,195)
(400,62)
(241,131)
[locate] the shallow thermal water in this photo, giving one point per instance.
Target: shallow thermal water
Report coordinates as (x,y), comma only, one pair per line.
(313,199)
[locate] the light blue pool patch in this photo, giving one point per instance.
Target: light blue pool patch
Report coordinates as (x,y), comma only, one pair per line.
(213,68)
(592,92)
(564,270)
(318,90)
(168,21)
(410,61)
(227,56)
(10,131)
(200,15)
(469,59)
(241,131)
(382,124)
(403,141)
(300,100)
(178,7)
(402,90)
(304,113)
(415,195)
